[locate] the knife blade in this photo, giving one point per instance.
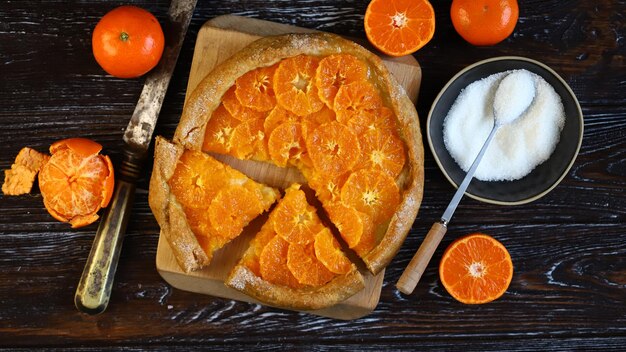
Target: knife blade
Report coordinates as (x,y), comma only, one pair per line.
(94,288)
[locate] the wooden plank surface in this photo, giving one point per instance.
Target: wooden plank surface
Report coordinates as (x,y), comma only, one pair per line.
(568,249)
(217,40)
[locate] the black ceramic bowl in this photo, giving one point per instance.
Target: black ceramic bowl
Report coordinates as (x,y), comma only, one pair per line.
(545,176)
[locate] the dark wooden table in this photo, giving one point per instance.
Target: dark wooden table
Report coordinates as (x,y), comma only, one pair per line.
(568,248)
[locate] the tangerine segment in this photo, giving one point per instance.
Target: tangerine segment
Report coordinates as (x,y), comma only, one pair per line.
(286,144)
(277,116)
(294,219)
(249,140)
(254,89)
(76,181)
(305,266)
(373,193)
(197,179)
(236,109)
(333,149)
(476,269)
(399,27)
(294,85)
(348,222)
(382,151)
(219,131)
(357,100)
(328,253)
(335,71)
(232,209)
(273,263)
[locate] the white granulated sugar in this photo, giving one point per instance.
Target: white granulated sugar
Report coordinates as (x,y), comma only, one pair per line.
(518,147)
(514,94)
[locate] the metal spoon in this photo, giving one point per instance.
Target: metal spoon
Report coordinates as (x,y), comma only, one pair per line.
(511,100)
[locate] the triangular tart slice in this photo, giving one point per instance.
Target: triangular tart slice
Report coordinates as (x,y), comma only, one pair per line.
(201,203)
(294,261)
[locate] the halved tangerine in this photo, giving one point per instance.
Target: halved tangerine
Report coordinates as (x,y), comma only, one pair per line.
(358,100)
(254,89)
(381,150)
(294,85)
(329,253)
(305,266)
(294,219)
(236,109)
(77,181)
(232,209)
(333,149)
(335,71)
(249,140)
(273,263)
(219,131)
(287,145)
(371,192)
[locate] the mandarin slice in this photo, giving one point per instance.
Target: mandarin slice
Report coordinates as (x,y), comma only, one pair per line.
(327,189)
(335,71)
(254,89)
(287,144)
(382,151)
(273,263)
(219,131)
(249,140)
(305,266)
(373,193)
(294,85)
(276,117)
(294,219)
(382,119)
(368,239)
(333,149)
(329,253)
(260,240)
(358,100)
(347,220)
(197,179)
(325,115)
(236,109)
(232,209)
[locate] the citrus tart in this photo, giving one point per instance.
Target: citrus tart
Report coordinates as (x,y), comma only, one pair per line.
(330,109)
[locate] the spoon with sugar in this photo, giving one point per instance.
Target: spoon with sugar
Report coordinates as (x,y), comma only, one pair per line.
(512,98)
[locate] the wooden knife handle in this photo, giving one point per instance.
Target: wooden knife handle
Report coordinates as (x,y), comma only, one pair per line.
(413,272)
(94,289)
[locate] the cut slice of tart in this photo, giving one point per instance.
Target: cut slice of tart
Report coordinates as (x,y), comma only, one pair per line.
(200,203)
(294,261)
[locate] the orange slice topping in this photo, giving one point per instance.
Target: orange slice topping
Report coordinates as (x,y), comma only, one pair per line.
(238,111)
(219,131)
(287,145)
(358,100)
(333,149)
(273,263)
(373,193)
(232,209)
(335,71)
(294,219)
(383,151)
(348,222)
(249,140)
(305,267)
(294,85)
(254,89)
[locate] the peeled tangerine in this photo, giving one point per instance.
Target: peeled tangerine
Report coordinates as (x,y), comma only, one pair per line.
(77,181)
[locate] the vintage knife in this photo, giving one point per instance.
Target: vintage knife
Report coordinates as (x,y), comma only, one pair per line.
(94,288)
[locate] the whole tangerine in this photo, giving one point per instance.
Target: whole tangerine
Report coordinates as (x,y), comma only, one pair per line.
(484,22)
(128,42)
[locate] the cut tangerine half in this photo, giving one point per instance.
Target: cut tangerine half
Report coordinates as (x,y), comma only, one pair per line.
(254,89)
(287,145)
(232,209)
(294,219)
(305,266)
(476,269)
(219,131)
(273,263)
(357,100)
(399,27)
(373,193)
(236,109)
(382,151)
(76,181)
(249,140)
(294,85)
(333,149)
(335,71)
(329,253)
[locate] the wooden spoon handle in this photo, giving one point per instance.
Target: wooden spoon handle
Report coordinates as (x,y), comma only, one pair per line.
(413,272)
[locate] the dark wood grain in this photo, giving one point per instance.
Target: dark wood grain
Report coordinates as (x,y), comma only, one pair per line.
(569,248)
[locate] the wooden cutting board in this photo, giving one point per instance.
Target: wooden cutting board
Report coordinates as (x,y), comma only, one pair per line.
(217,40)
